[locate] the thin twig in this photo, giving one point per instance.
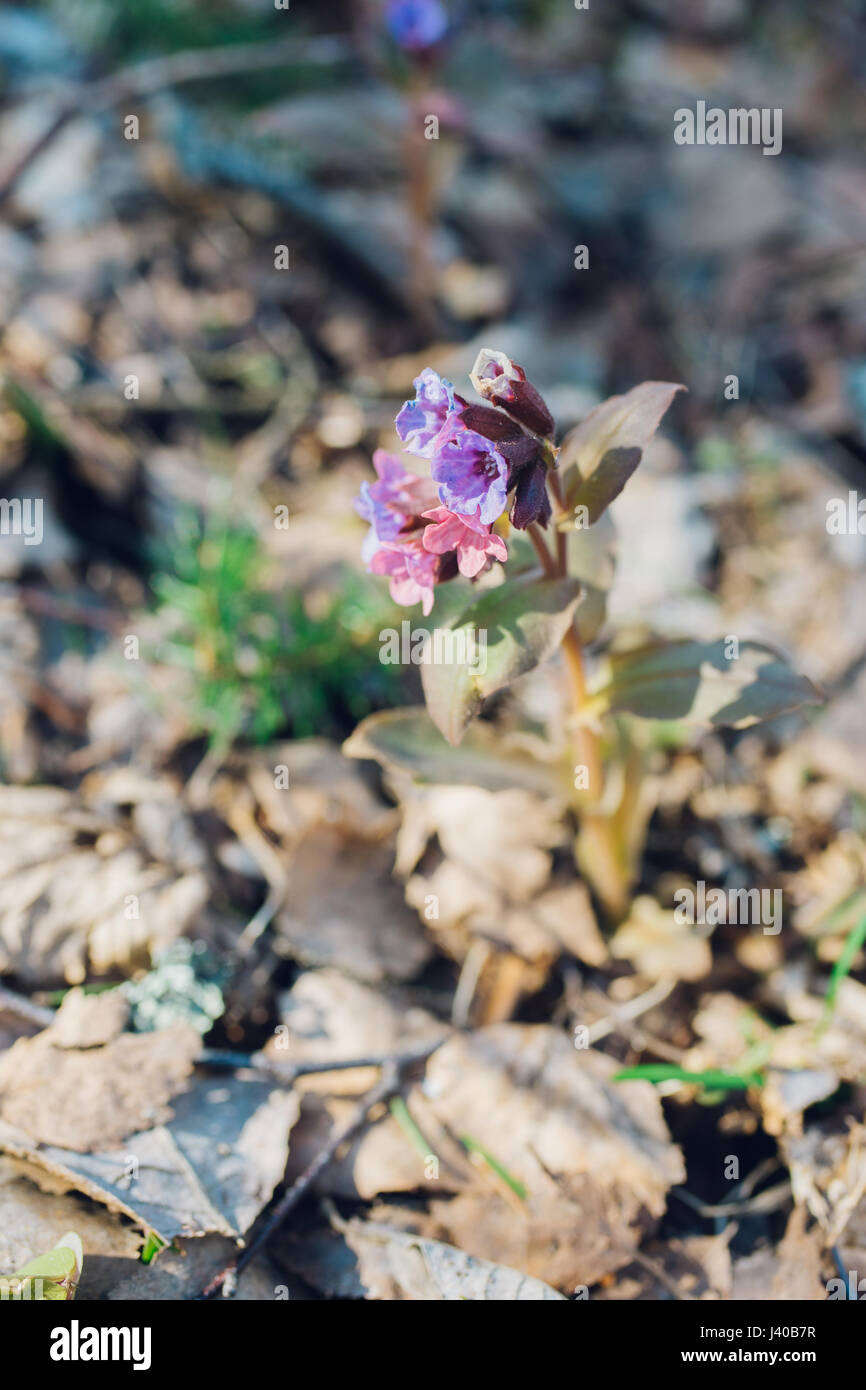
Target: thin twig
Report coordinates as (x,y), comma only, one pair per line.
(388,1083)
(626,1013)
(290,1071)
(770,1200)
(13,1003)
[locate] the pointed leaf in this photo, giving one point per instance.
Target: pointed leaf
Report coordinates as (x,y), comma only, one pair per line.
(510,630)
(397,1265)
(699,682)
(53,1276)
(408,740)
(596,492)
(621,423)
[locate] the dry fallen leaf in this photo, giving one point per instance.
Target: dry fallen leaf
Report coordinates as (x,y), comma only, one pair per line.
(790,1273)
(84,1084)
(828,1177)
(592,1157)
(489,877)
(327,1015)
(79,891)
(659,946)
(33,1220)
(211,1169)
(394,1265)
(345,909)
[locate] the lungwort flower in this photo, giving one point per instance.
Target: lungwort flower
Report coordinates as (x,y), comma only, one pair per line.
(471,472)
(473,543)
(482,458)
(411,570)
(421,421)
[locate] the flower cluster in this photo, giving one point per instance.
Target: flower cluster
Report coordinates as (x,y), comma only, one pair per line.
(483,459)
(416,24)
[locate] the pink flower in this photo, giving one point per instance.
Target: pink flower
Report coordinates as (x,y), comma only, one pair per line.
(393,504)
(412,571)
(474,542)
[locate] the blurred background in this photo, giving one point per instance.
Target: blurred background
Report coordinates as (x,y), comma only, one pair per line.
(219,273)
(164,369)
(231,234)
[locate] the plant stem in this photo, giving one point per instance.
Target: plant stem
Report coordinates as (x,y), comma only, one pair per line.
(422,269)
(589,753)
(555,483)
(599,854)
(548,564)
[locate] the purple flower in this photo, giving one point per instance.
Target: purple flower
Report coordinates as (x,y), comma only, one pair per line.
(391,504)
(421,421)
(416,24)
(471,473)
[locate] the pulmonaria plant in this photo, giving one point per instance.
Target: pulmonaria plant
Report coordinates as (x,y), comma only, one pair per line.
(483,464)
(492,468)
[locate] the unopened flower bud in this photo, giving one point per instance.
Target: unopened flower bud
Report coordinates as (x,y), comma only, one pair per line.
(503,383)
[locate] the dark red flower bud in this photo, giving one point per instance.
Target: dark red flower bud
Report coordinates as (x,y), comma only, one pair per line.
(490,423)
(519,454)
(531,502)
(503,383)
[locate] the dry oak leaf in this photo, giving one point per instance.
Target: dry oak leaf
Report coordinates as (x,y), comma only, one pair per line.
(88,1097)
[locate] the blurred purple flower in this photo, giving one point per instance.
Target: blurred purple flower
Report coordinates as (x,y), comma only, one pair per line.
(416,24)
(422,419)
(471,473)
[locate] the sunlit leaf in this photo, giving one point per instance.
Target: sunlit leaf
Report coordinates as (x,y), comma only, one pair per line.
(53,1276)
(703,682)
(408,740)
(606,440)
(507,632)
(596,492)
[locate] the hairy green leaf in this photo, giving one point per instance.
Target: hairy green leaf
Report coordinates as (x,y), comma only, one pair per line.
(606,440)
(408,740)
(596,492)
(702,683)
(507,632)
